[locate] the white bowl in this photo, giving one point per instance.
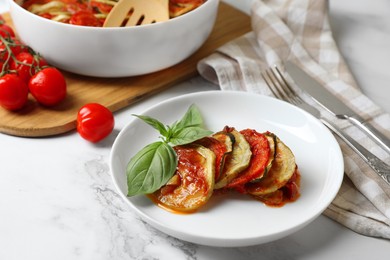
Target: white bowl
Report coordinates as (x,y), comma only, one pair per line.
(115,52)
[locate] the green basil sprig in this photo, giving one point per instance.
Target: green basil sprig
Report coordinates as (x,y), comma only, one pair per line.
(155,164)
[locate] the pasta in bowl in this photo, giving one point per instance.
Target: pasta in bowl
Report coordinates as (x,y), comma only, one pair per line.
(93,12)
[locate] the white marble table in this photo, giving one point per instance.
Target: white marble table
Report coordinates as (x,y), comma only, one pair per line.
(57,200)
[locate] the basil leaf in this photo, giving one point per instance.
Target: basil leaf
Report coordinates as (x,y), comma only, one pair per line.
(154,123)
(188,135)
(192,117)
(155,164)
(150,168)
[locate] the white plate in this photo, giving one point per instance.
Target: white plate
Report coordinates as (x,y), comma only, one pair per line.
(235,219)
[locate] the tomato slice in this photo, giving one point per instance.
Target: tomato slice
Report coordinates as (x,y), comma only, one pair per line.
(260,155)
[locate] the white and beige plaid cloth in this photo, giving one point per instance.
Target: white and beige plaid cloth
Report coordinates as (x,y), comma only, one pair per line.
(299,30)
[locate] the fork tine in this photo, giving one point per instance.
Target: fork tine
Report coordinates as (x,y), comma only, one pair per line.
(273,84)
(289,90)
(280,87)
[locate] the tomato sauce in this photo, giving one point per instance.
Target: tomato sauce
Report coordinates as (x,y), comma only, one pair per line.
(191,170)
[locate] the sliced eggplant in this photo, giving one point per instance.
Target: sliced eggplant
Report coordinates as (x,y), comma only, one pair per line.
(280,173)
(237,161)
(193,182)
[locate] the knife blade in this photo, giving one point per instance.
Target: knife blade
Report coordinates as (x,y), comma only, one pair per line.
(331,103)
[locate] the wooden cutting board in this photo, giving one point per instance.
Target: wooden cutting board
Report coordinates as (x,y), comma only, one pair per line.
(35,120)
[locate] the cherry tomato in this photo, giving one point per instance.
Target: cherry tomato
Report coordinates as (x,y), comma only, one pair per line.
(48,86)
(85,18)
(13,92)
(26,70)
(6,31)
(94,122)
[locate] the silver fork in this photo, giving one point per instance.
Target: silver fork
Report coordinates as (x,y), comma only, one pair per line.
(283,90)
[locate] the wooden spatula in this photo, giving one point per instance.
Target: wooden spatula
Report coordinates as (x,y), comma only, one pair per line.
(137,12)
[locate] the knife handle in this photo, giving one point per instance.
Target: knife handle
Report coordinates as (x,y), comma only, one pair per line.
(381,168)
(378,137)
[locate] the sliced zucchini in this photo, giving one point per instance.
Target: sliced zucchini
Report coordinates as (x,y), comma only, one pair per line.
(193,183)
(280,173)
(237,161)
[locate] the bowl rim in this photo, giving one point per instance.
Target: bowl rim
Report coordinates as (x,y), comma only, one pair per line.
(189,15)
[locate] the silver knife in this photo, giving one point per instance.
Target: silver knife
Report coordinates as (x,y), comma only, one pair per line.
(326,99)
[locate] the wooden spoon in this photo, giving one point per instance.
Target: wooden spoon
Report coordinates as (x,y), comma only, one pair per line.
(137,12)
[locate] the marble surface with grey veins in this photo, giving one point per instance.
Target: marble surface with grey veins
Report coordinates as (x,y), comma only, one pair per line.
(57,199)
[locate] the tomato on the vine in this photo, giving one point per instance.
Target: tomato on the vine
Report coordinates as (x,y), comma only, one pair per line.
(22,69)
(26,64)
(13,92)
(94,122)
(14,45)
(48,86)
(6,30)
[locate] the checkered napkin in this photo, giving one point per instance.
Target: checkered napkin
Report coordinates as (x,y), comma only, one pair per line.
(299,30)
